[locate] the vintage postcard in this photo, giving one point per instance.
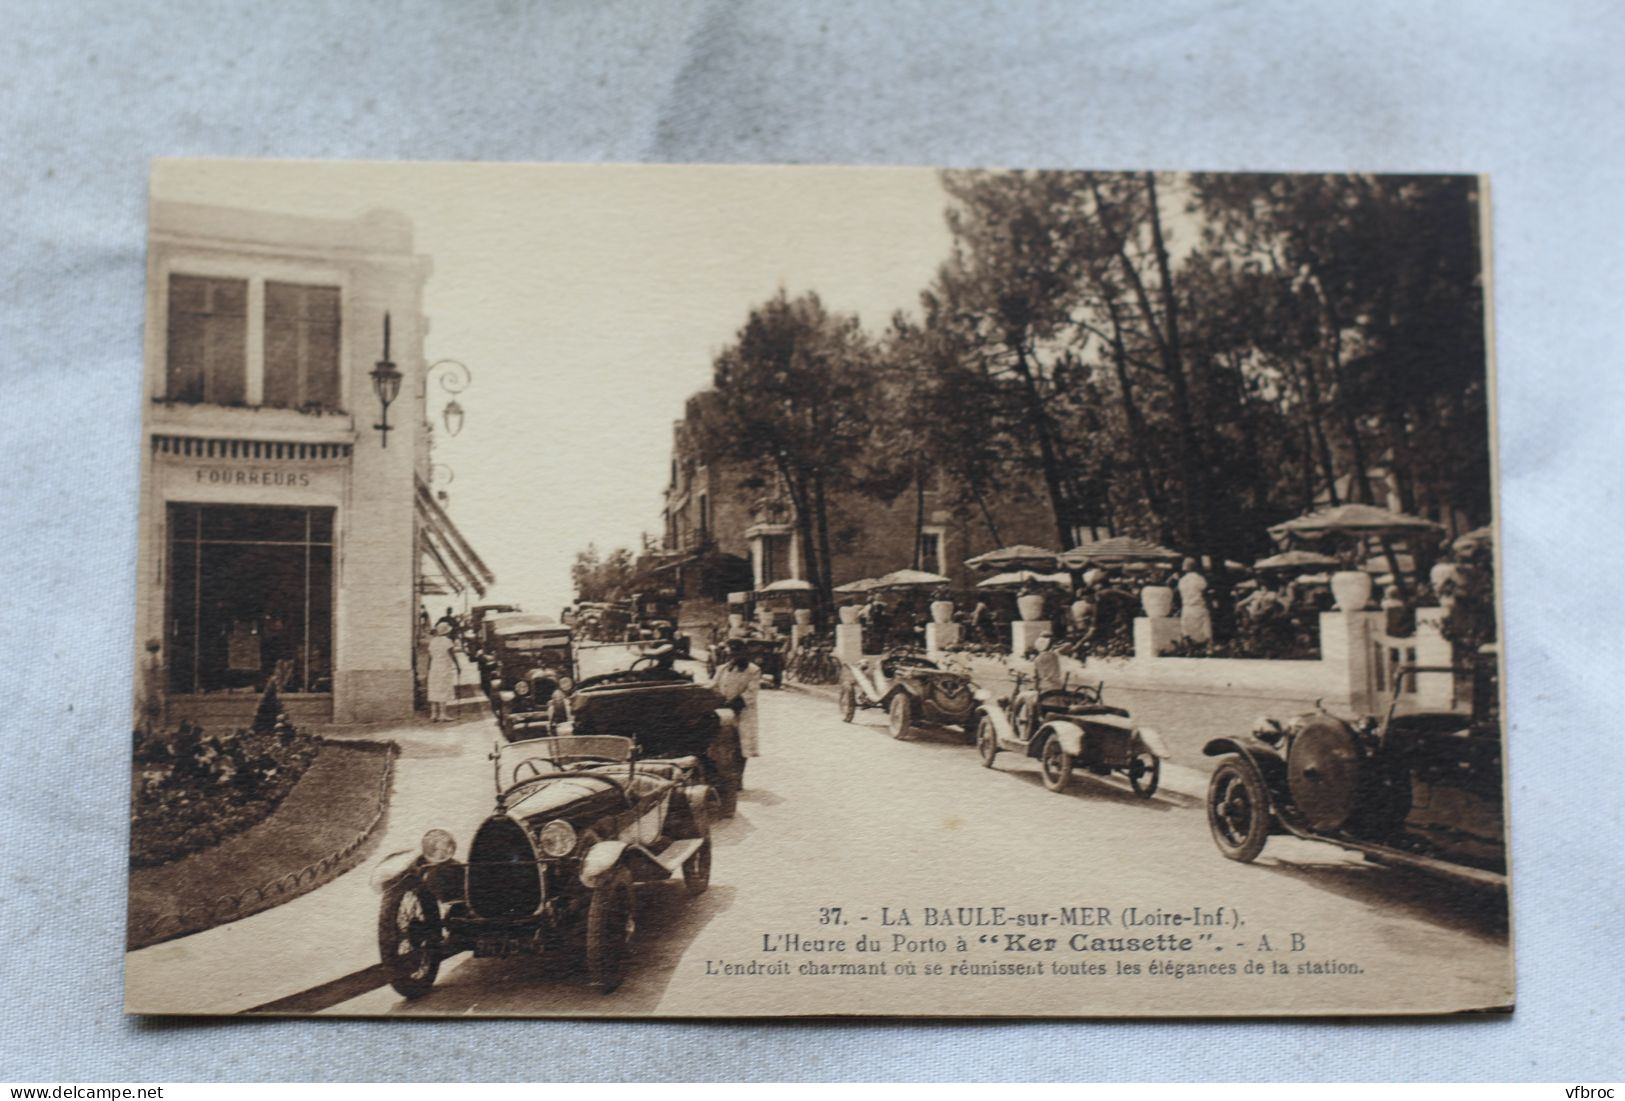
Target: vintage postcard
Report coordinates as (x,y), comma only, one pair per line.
(680,591)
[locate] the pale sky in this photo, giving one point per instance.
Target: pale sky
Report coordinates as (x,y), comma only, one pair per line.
(589,301)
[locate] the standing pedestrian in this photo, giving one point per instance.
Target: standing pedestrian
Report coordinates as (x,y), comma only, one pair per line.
(1194,619)
(443,670)
(150,712)
(737,681)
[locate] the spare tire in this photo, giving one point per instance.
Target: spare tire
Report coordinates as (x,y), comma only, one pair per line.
(1324,769)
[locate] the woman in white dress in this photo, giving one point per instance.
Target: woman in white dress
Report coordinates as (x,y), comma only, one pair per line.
(738,678)
(442,677)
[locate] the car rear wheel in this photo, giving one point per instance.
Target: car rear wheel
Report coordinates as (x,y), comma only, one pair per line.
(611,924)
(1055,764)
(987,742)
(1238,810)
(409,938)
(849,702)
(1144,771)
(900,715)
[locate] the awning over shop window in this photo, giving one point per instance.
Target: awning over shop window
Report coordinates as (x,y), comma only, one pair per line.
(439,538)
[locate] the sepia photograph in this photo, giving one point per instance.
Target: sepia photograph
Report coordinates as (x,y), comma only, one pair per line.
(721,591)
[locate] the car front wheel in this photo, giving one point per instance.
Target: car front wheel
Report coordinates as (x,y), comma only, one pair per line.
(987,742)
(900,715)
(1144,771)
(1238,810)
(409,938)
(1055,764)
(611,923)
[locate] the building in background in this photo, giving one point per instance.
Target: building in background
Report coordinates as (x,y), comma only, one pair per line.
(728,527)
(282,534)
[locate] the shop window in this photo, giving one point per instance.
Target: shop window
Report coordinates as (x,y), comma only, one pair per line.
(301,346)
(250,597)
(207,335)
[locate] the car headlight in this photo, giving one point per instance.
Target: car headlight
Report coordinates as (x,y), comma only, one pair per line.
(566,684)
(439,846)
(522,688)
(558,838)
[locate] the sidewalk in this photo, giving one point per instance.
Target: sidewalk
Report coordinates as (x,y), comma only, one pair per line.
(441,779)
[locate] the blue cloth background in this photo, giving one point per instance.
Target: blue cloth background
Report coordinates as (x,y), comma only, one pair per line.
(88,92)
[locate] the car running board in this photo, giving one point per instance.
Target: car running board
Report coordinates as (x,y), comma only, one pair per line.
(1481,876)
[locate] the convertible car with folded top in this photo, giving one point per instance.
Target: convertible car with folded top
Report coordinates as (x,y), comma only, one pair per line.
(667,715)
(581,826)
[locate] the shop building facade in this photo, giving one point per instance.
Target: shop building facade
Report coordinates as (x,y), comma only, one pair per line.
(282,535)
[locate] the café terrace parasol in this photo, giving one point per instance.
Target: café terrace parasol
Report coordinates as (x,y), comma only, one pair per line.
(1022,556)
(1362,520)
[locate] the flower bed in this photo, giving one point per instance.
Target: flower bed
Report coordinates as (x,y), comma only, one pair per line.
(193,789)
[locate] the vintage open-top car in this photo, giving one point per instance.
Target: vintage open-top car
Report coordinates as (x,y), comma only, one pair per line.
(529,669)
(580,824)
(668,715)
(913,689)
(1415,787)
(1069,727)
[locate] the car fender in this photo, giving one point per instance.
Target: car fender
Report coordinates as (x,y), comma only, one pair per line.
(1271,768)
(1152,740)
(604,857)
(601,859)
(393,868)
(1070,736)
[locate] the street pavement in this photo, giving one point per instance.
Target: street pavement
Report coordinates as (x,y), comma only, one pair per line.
(839,816)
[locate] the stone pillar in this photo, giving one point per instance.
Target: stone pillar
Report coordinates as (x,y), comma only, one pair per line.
(849,642)
(1024,633)
(798,632)
(1346,649)
(1153,635)
(940,636)
(1434,690)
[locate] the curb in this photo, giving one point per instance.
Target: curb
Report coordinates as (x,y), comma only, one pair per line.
(280,889)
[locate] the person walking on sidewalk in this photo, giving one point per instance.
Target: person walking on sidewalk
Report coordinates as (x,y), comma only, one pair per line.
(443,670)
(737,681)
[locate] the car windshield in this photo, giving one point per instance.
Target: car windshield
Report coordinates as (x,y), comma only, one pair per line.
(559,752)
(530,644)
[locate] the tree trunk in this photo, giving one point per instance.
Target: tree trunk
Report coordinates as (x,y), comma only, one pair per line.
(1038,419)
(822,589)
(987,515)
(1136,421)
(919,513)
(1174,356)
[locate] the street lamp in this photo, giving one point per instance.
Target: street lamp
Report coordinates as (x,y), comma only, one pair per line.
(454,380)
(386,383)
